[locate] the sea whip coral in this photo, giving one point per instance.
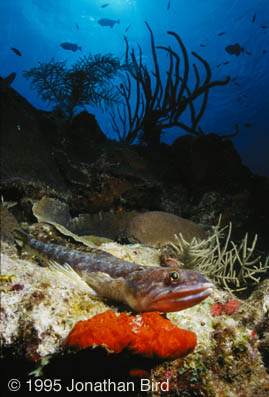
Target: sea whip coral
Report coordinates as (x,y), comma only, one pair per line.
(148,334)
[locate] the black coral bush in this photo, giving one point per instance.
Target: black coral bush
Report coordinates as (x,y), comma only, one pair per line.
(86,82)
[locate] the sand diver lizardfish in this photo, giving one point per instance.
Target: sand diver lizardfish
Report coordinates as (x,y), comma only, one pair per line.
(142,288)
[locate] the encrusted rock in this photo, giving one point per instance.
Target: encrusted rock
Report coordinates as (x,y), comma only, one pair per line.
(158,228)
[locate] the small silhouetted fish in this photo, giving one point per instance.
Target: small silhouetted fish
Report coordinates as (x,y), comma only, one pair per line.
(264,52)
(70,46)
(107,22)
(221,33)
(223,63)
(264,26)
(202,45)
(168,5)
(128,27)
(104,5)
(17,52)
(10,78)
(234,49)
(254,18)
(248,125)
(77,26)
(248,53)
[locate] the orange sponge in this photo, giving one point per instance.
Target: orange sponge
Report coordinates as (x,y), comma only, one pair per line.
(148,334)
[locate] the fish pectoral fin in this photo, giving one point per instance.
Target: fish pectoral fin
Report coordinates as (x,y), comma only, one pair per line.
(68,271)
(65,269)
(107,286)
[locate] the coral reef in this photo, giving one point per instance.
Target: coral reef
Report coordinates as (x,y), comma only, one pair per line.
(89,229)
(39,308)
(47,158)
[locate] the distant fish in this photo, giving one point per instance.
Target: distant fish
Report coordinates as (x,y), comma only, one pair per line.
(254,18)
(264,52)
(223,63)
(169,5)
(264,26)
(17,52)
(221,33)
(128,27)
(70,46)
(234,49)
(248,53)
(10,78)
(77,26)
(105,5)
(107,22)
(202,45)
(248,125)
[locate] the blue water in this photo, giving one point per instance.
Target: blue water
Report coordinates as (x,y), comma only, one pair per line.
(38,27)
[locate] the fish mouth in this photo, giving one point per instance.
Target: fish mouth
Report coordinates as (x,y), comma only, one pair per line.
(185,297)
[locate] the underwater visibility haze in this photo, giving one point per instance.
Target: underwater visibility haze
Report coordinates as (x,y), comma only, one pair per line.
(230,35)
(135,170)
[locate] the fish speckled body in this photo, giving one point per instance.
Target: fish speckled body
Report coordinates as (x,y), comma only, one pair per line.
(143,288)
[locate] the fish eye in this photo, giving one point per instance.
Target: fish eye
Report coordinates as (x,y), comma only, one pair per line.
(174,276)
